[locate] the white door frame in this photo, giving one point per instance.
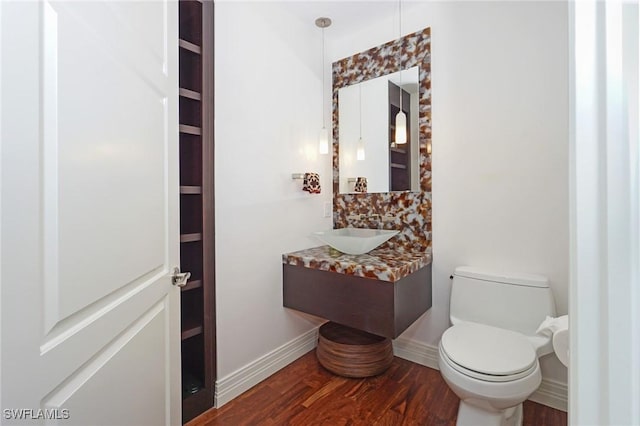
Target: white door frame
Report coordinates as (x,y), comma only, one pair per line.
(604,298)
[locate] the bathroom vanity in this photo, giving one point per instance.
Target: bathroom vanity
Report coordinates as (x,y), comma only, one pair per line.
(381,292)
(372,298)
(369,299)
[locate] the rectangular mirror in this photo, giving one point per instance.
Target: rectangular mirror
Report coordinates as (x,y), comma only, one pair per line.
(368,149)
(406,210)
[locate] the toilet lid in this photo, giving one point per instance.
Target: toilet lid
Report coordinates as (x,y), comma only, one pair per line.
(488,350)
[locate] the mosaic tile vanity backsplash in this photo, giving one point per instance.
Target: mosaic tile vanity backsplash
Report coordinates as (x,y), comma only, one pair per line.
(409,212)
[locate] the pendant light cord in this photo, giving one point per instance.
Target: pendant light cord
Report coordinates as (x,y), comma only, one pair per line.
(322,70)
(400,37)
(360,110)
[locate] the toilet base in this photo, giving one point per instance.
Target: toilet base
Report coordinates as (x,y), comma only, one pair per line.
(470,415)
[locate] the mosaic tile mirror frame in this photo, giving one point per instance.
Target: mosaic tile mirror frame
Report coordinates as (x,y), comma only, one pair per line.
(407,211)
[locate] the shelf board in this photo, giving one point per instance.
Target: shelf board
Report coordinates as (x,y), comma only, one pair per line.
(191,130)
(191,94)
(190,238)
(190,189)
(398,150)
(189,46)
(190,328)
(193,284)
(398,166)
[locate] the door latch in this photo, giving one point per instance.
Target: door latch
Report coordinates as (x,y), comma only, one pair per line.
(180,278)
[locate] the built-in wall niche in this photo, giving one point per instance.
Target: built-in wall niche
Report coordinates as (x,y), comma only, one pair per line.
(190,111)
(192,365)
(190,162)
(191,22)
(197,297)
(191,255)
(191,213)
(190,70)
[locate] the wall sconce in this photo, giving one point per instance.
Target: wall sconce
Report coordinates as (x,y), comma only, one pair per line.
(323,137)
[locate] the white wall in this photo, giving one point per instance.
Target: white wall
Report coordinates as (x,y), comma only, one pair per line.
(500,131)
(500,142)
(268,115)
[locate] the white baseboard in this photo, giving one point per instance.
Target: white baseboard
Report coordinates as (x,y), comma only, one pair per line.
(417,352)
(253,373)
(550,393)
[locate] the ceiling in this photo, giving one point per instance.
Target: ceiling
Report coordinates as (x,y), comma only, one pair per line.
(346,16)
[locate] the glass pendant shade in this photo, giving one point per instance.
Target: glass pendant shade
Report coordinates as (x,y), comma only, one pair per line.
(401,128)
(323,141)
(360,150)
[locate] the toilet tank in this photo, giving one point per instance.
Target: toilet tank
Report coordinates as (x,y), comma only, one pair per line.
(518,302)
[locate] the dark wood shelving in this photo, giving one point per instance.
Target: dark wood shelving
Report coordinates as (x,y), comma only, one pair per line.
(398,150)
(184,44)
(190,130)
(191,328)
(197,298)
(398,166)
(190,189)
(191,285)
(191,94)
(190,238)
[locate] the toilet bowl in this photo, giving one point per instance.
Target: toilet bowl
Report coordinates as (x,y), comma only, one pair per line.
(491,379)
(489,356)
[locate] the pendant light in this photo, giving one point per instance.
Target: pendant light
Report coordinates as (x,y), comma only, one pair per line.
(323,137)
(360,145)
(401,117)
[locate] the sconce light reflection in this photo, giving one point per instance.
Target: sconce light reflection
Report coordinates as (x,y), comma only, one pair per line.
(323,141)
(360,150)
(401,126)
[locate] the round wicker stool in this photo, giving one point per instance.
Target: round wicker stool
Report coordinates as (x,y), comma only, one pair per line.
(349,352)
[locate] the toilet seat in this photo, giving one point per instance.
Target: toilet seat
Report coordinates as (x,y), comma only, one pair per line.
(488,353)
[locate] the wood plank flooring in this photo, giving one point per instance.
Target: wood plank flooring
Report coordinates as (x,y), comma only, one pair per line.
(305,394)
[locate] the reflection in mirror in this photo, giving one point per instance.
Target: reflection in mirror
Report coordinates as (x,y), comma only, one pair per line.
(366,134)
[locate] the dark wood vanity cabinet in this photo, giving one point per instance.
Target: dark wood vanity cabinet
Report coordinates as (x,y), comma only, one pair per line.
(379,307)
(196,206)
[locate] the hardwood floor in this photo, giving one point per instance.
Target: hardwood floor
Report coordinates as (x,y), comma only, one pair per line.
(304,393)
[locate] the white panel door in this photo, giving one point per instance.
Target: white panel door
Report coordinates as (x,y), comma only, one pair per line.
(89,213)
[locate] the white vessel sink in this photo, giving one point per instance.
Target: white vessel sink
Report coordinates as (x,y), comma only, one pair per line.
(354,240)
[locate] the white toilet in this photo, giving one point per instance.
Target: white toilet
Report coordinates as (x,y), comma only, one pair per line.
(489,357)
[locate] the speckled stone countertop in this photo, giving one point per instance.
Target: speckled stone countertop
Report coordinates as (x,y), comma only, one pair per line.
(384,264)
